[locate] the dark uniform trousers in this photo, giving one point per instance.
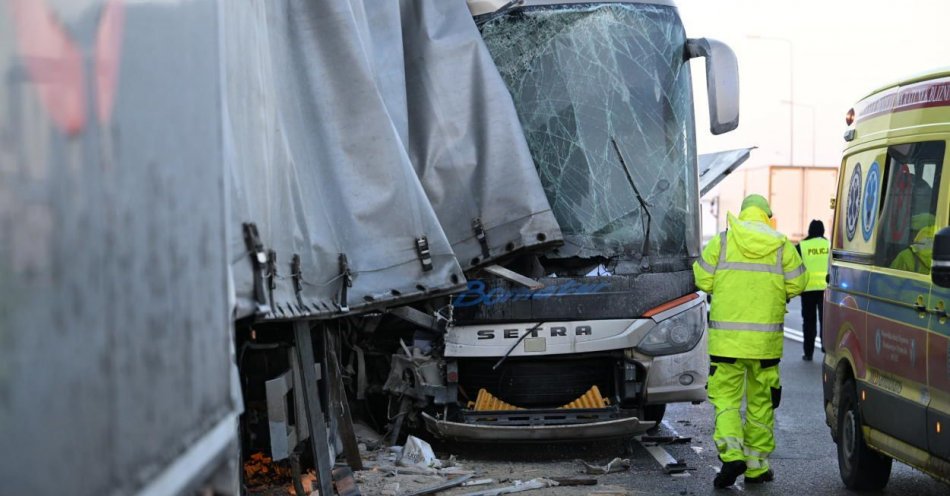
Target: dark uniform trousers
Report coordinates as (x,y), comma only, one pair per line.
(811,308)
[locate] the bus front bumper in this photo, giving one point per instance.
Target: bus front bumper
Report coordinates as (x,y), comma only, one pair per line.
(457,431)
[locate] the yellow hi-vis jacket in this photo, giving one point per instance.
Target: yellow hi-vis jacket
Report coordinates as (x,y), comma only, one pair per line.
(751,270)
(815,257)
(918,256)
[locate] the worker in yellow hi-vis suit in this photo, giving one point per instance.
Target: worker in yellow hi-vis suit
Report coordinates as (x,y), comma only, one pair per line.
(751,271)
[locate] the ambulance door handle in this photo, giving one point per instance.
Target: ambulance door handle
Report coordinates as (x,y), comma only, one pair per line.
(941,315)
(940,311)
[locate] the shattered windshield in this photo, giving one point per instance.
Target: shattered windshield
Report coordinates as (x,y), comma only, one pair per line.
(582,76)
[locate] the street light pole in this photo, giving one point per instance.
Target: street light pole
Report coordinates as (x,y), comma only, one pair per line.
(813,121)
(791,92)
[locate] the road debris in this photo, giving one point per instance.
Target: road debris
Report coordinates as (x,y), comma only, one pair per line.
(344,482)
(678,467)
(568,481)
(664,440)
(261,471)
(367,436)
(478,482)
(615,465)
(417,452)
(517,487)
(458,481)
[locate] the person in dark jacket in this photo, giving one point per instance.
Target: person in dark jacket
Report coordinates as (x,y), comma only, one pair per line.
(814,251)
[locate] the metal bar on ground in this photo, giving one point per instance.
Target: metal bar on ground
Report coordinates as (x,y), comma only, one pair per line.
(442,486)
(311,401)
(659,454)
(342,409)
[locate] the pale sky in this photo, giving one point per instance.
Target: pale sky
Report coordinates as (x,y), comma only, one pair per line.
(842,50)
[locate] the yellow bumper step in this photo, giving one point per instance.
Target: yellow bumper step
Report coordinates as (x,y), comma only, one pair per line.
(487,402)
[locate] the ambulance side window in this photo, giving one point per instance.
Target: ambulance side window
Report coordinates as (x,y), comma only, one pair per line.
(907,220)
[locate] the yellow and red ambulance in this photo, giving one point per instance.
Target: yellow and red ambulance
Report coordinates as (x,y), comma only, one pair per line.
(886,329)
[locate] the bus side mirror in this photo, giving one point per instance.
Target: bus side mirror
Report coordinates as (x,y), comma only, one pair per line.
(722,82)
(940,267)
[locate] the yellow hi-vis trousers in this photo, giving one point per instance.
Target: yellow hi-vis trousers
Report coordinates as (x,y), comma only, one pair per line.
(729,380)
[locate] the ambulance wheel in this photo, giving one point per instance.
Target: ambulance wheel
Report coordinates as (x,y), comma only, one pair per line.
(860,467)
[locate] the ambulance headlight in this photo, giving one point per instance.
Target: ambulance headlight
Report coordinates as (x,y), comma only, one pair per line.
(677,334)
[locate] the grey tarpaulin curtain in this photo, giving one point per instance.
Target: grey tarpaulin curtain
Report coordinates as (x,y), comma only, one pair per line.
(358,128)
(465,140)
(317,161)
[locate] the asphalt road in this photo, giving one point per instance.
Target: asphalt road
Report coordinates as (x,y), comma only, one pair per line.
(805,460)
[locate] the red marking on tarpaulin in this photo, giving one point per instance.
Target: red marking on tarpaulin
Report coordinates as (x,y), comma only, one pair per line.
(53,61)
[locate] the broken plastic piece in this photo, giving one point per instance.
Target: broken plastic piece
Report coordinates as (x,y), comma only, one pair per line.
(615,465)
(418,453)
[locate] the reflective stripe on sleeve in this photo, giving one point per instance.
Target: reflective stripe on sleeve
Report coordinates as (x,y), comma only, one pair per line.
(722,247)
(708,268)
(751,267)
(745,326)
(795,273)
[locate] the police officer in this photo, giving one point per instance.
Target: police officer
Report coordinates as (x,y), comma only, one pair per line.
(751,270)
(814,251)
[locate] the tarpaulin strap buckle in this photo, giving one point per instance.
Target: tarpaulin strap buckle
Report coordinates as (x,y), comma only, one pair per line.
(255,247)
(480,236)
(347,277)
(422,248)
(272,270)
(296,275)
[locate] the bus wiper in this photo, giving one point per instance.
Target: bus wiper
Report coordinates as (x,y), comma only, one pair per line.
(645,248)
(530,331)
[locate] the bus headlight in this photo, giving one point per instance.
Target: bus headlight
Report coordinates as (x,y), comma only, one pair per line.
(677,334)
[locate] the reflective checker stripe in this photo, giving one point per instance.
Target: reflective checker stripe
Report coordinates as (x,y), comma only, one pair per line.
(745,326)
(776,268)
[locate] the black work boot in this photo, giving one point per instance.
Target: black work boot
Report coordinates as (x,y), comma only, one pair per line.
(768,476)
(728,474)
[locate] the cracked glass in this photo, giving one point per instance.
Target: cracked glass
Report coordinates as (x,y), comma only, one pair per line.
(583,77)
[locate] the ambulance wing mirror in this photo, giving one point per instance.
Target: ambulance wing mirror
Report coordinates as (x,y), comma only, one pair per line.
(722,82)
(940,267)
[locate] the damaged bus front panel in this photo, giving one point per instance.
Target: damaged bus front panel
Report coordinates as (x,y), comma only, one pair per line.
(611,328)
